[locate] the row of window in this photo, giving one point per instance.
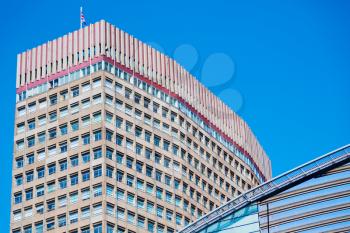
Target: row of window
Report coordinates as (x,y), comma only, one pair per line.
(138,166)
(50,225)
(138,131)
(166,98)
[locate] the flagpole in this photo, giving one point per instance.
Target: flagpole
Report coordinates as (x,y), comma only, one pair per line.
(81,21)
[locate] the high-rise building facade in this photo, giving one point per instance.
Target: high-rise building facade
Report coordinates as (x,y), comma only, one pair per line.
(113,136)
(311,198)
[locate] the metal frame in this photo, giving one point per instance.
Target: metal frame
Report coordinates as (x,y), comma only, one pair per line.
(301,172)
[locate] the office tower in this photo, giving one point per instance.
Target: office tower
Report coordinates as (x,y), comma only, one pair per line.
(114,136)
(313,197)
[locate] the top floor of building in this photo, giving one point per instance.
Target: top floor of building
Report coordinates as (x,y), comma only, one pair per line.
(101,40)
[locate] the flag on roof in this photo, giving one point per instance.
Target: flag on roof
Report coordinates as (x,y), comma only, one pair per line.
(82,18)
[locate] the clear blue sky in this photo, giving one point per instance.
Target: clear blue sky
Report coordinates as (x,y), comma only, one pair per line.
(291,63)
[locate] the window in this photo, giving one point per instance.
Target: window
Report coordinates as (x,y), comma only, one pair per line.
(51,187)
(74,107)
(138,149)
(62,220)
(129,162)
(97,117)
(85,194)
(120,213)
(109,117)
(63,183)
(30,158)
(119,140)
(128,126)
(167,180)
(29,194)
(53,116)
(63,165)
(86,157)
(120,194)
(50,205)
(86,139)
(109,135)
(39,190)
(130,180)
(97,153)
(138,131)
(118,122)
(74,161)
(75,125)
(85,87)
(97,171)
(73,179)
(19,179)
(52,168)
(85,175)
(178,219)
(97,135)
(75,91)
(129,144)
(31,141)
(109,153)
(97,190)
(109,190)
(158,175)
(131,199)
(166,145)
(20,144)
(42,120)
(109,171)
(120,158)
(64,94)
(85,103)
(160,210)
(110,228)
(40,208)
(31,124)
(148,136)
(169,215)
(73,216)
(41,137)
(156,140)
(41,154)
(39,227)
(63,147)
(157,158)
(63,129)
(86,120)
(159,193)
(149,171)
(131,217)
(85,212)
(168,197)
(30,176)
(52,133)
(150,226)
(139,185)
(28,229)
(119,176)
(149,188)
(50,224)
(19,162)
(63,112)
(53,99)
(140,203)
(139,166)
(141,221)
